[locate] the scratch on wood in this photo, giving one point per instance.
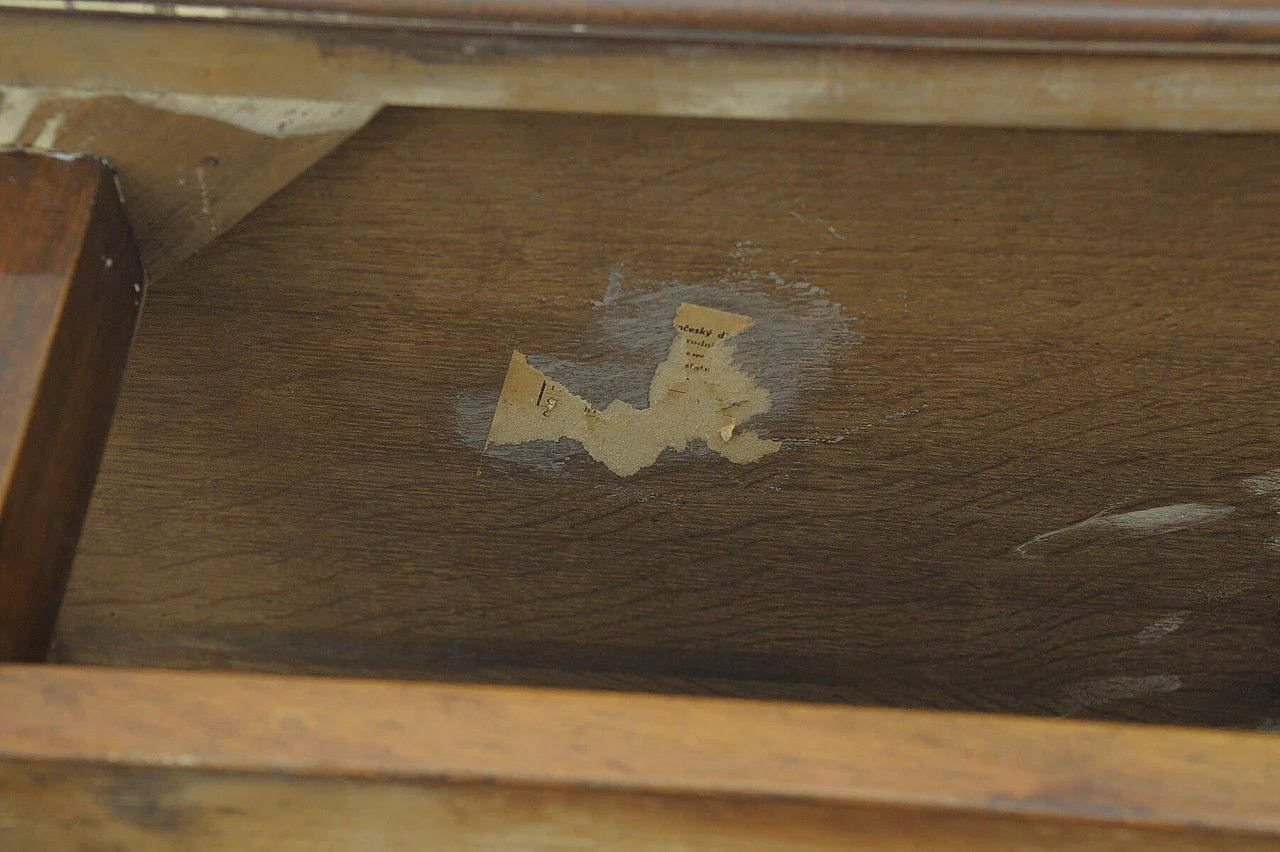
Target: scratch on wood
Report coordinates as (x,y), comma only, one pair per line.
(1267,485)
(1264,483)
(1162,627)
(1101,691)
(1138,524)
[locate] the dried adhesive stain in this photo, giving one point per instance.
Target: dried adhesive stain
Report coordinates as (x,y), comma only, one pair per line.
(782,335)
(697,394)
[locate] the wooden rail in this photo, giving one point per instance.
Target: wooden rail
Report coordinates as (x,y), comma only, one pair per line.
(770,766)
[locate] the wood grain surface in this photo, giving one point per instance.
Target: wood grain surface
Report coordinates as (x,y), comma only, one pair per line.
(1101,85)
(1033,477)
(70,287)
(1190,21)
(70,806)
(1122,776)
(188,176)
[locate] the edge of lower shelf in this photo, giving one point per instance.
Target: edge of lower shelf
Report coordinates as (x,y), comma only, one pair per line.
(1176,778)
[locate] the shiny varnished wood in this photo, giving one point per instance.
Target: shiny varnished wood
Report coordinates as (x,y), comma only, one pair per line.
(489,761)
(70,287)
(1050,327)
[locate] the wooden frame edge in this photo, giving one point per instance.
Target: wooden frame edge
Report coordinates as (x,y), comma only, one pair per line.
(1056,25)
(425,69)
(1126,775)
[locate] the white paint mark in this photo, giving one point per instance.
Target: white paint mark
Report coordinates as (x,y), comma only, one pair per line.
(1268,725)
(15,112)
(1161,627)
(206,12)
(1264,483)
(1268,485)
(1103,691)
(113,6)
(275,117)
(204,191)
(1140,524)
(831,230)
(47,138)
(839,436)
(744,251)
(823,222)
(107,262)
(205,207)
(64,156)
(38,5)
(742,98)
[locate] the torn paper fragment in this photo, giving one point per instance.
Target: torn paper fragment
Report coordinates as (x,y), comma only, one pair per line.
(697,394)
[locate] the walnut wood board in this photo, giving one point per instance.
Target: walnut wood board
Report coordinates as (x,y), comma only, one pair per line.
(189,166)
(98,752)
(1033,477)
(70,288)
(1099,85)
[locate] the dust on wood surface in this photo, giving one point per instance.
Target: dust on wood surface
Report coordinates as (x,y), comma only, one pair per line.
(1014,469)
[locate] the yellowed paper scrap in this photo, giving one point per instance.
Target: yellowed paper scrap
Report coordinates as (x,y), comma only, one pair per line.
(697,393)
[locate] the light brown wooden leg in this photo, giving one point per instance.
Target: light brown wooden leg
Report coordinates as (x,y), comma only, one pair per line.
(70,287)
